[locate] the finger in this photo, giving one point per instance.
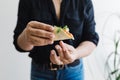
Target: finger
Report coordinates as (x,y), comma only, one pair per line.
(67,55)
(39,25)
(54,58)
(65,61)
(51,57)
(60,51)
(37,41)
(66,46)
(65,50)
(63,46)
(42,33)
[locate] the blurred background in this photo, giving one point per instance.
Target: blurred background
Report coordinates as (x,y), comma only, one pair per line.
(16,66)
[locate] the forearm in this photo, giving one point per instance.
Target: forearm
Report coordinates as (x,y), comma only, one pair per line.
(85,49)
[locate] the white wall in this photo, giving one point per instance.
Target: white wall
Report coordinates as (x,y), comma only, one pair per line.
(16,66)
(106,25)
(13,65)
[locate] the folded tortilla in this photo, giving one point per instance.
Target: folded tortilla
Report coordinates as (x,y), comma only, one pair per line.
(62,33)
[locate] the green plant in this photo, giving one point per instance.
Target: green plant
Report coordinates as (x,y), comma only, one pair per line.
(113,62)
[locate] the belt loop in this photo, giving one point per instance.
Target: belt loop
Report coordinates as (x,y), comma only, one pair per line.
(51,67)
(61,66)
(66,66)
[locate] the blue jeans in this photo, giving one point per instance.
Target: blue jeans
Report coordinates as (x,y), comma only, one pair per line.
(68,73)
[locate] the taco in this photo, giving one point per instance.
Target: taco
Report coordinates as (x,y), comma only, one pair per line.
(62,33)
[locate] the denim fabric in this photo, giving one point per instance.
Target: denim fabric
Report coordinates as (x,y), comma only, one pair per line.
(68,73)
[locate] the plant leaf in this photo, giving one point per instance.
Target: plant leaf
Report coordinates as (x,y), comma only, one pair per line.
(118,77)
(113,72)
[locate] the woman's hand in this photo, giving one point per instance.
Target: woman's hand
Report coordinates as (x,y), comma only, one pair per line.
(39,34)
(36,34)
(66,54)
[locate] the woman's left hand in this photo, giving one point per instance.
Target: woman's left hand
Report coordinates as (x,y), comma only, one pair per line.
(66,54)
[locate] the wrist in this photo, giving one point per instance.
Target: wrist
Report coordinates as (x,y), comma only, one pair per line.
(77,54)
(23,43)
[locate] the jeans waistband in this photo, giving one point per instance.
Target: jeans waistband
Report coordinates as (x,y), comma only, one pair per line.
(50,66)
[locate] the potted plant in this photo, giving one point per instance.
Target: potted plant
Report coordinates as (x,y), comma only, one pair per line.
(111,43)
(112,65)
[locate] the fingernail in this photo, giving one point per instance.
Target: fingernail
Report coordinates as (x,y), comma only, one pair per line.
(61,42)
(51,28)
(52,52)
(52,36)
(57,47)
(50,42)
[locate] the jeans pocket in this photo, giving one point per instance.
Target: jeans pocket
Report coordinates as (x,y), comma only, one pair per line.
(76,67)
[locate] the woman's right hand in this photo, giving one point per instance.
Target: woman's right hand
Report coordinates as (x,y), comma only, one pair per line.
(36,34)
